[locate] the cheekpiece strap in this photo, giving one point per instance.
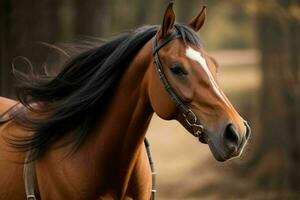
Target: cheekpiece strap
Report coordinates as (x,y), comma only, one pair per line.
(156,47)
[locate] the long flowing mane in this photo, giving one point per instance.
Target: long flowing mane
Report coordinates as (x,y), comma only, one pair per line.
(73,100)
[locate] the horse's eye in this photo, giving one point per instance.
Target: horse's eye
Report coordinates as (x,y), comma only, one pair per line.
(178,70)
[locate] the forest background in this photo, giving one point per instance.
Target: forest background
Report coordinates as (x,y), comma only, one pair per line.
(257,44)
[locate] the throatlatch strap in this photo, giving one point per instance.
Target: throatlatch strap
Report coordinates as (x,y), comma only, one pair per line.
(29,177)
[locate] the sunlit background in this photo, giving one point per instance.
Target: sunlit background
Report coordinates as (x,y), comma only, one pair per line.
(257,45)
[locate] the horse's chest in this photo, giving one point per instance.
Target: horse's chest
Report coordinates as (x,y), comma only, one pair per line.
(78,178)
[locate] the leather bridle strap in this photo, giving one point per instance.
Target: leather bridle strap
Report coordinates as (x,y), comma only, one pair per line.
(153,173)
(187,113)
(29,177)
(159,67)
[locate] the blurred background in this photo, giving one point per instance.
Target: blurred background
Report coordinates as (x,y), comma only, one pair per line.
(257,44)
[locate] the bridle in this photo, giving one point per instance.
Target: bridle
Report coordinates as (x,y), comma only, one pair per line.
(189,116)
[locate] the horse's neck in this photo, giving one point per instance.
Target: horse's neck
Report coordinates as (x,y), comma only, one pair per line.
(128,112)
(114,147)
(122,128)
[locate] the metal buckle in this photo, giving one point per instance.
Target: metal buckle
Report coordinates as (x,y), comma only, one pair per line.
(31,197)
(199,131)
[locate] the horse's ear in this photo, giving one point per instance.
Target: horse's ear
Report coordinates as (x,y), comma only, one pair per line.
(197,22)
(168,23)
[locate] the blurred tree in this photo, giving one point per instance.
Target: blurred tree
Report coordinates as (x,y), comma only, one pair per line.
(187,11)
(92,17)
(22,23)
(278,31)
(142,14)
(5,23)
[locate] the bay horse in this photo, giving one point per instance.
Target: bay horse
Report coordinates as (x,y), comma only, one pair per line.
(86,126)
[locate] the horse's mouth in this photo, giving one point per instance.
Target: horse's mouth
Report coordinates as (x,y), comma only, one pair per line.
(220,155)
(217,153)
(215,146)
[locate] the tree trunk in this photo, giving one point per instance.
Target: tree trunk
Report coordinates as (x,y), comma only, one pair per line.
(24,23)
(278,40)
(92,17)
(5,31)
(186,11)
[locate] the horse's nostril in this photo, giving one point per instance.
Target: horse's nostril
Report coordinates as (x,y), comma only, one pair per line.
(231,138)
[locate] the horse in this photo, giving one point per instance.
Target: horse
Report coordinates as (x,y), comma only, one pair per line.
(85,127)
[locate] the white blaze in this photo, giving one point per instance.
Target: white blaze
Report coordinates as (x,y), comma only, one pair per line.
(195,55)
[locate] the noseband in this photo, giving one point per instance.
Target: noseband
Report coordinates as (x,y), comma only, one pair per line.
(189,116)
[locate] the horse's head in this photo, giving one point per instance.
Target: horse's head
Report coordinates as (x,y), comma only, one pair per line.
(191,74)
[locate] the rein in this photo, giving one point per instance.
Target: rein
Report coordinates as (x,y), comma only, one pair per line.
(189,116)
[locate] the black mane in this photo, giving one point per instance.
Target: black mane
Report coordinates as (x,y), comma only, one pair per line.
(72,101)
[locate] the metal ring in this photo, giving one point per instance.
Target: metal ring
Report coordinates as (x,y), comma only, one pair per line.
(200,127)
(187,119)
